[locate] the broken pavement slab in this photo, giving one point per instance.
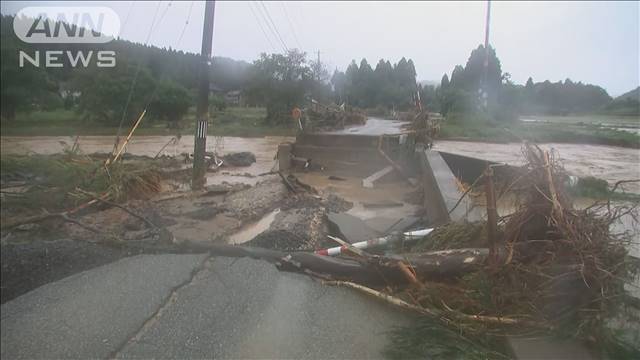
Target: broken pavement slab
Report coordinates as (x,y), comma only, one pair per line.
(350,228)
(387,225)
(368,181)
(184,306)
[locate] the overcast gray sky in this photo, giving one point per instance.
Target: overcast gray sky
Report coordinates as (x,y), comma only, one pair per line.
(593,42)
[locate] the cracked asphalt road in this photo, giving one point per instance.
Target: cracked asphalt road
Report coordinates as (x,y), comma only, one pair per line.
(191,306)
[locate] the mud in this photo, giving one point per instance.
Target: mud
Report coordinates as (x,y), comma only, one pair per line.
(352,191)
(605,162)
(250,231)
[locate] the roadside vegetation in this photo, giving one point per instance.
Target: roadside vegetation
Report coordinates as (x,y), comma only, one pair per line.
(231,121)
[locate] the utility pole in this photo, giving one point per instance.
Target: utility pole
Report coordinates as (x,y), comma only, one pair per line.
(319,66)
(485,94)
(202,107)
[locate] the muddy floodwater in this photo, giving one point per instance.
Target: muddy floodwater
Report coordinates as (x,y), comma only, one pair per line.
(264,149)
(610,163)
(373,126)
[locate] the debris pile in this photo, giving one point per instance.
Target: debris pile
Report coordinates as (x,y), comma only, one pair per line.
(557,271)
(546,269)
(65,181)
(330,118)
(244,158)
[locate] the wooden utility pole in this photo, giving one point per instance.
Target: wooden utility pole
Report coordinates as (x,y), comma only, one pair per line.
(492,217)
(485,87)
(319,66)
(202,107)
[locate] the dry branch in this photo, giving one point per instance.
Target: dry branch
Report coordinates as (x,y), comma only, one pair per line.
(434,312)
(127,210)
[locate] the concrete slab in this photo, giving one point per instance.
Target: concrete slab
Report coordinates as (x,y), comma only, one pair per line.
(93,313)
(244,309)
(368,181)
(387,225)
(442,192)
(350,228)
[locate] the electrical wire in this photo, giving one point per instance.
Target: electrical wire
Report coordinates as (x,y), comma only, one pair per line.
(260,24)
(293,31)
(269,27)
(126,19)
(157,85)
(274,27)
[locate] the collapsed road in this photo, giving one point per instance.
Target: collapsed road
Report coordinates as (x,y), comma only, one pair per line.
(355,186)
(212,306)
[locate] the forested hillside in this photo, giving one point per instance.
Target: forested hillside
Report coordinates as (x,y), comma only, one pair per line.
(166,81)
(100,93)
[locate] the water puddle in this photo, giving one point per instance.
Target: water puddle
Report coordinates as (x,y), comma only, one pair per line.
(250,231)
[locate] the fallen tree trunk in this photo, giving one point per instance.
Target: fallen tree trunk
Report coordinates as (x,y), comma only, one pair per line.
(378,270)
(444,262)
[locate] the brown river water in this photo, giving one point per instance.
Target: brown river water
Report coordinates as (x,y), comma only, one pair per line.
(610,163)
(264,149)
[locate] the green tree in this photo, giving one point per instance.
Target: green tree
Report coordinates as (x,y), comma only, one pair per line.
(22,88)
(105,93)
(281,81)
(339,83)
(444,83)
(171,102)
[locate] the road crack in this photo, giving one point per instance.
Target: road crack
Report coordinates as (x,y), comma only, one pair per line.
(171,299)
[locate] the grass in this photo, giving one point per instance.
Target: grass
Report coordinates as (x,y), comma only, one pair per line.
(586,119)
(429,339)
(234,121)
(247,122)
(594,188)
(478,129)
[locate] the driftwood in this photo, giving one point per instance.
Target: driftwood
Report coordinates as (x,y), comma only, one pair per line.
(124,208)
(373,270)
(444,262)
(444,315)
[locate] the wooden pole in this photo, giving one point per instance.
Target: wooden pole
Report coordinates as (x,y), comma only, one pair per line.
(492,216)
(202,107)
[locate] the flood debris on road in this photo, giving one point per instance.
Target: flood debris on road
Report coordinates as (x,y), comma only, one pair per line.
(244,158)
(337,222)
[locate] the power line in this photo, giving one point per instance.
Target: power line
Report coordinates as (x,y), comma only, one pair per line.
(126,19)
(286,14)
(133,82)
(261,27)
(164,72)
(186,23)
(164,13)
(268,25)
(275,28)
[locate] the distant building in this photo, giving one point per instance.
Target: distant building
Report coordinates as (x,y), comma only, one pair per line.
(234,97)
(215,89)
